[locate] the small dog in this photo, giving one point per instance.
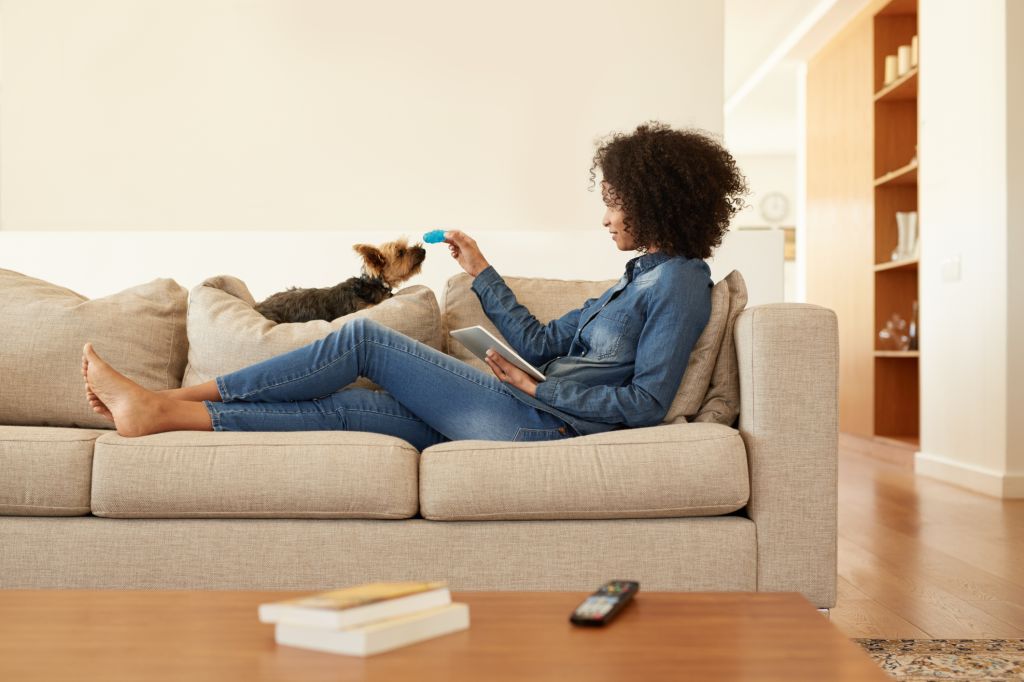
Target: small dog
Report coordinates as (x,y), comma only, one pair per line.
(384,268)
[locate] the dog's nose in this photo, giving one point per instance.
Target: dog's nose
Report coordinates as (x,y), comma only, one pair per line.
(420,252)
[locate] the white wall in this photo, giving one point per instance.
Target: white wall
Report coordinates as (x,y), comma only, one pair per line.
(99,263)
(1015,238)
(768,173)
(963,203)
(331,115)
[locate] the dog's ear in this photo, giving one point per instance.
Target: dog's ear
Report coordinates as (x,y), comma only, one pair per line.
(373,256)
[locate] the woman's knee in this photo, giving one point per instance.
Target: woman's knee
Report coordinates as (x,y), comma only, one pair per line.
(358,329)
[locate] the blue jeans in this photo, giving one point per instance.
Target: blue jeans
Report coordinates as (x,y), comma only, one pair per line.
(428,398)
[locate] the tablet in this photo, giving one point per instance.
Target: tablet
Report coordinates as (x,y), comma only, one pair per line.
(478,340)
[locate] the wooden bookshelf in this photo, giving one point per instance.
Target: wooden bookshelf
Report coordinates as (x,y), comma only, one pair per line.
(896,165)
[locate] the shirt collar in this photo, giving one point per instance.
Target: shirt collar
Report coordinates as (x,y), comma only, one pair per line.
(642,263)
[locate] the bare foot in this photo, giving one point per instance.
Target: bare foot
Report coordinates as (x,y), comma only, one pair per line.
(135,410)
(96,403)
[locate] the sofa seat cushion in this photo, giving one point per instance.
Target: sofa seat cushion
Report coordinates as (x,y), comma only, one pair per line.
(305,474)
(660,471)
(45,471)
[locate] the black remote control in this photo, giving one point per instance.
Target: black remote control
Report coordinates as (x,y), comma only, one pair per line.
(600,607)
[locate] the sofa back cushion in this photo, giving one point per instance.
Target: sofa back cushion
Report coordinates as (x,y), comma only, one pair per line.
(548,299)
(140,331)
(226,333)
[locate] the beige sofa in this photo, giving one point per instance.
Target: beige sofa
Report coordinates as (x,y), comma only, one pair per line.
(678,506)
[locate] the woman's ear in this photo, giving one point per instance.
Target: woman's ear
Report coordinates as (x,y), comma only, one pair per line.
(372,257)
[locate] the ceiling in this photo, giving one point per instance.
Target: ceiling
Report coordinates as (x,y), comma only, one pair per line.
(753,29)
(766,41)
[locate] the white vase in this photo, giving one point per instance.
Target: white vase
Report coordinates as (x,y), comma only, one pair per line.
(912,241)
(902,228)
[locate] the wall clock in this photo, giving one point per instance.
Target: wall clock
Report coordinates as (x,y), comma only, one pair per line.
(774,207)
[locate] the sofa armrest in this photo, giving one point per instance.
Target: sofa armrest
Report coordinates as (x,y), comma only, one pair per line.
(788,357)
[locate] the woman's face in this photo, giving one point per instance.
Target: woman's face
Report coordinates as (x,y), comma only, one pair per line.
(613,221)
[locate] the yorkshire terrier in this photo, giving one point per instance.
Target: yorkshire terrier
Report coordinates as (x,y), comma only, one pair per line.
(384,268)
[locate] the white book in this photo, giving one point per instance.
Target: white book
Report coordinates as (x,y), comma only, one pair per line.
(377,637)
(478,340)
(357,605)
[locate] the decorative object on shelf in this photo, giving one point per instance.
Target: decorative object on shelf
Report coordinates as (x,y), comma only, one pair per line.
(893,336)
(774,207)
(906,235)
(890,69)
(912,331)
(902,59)
(914,237)
(913,51)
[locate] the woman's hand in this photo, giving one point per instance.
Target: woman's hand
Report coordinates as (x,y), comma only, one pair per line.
(510,374)
(466,252)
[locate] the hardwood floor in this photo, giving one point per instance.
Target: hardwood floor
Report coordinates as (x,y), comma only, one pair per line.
(921,559)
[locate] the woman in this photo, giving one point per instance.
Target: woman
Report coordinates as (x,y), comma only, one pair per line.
(613,363)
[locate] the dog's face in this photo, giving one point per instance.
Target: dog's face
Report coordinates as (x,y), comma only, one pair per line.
(394,262)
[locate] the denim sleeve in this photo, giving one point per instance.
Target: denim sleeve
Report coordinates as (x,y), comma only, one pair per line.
(675,317)
(536,342)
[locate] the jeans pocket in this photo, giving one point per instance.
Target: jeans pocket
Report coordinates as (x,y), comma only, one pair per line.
(556,433)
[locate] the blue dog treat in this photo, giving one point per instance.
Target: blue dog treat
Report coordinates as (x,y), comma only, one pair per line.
(434,236)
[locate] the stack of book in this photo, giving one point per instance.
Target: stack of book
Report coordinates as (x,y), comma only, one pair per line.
(366,619)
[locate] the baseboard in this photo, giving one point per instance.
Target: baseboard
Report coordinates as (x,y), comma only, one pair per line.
(1005,485)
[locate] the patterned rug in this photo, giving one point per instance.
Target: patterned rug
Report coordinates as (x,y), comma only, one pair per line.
(970,660)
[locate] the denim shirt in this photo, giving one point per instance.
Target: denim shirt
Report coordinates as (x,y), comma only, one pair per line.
(618,360)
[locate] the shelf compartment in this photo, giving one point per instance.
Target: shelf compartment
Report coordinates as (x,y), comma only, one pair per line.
(897,395)
(903,88)
(907,175)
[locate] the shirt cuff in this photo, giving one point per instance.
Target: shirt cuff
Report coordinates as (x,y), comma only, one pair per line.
(485,278)
(546,391)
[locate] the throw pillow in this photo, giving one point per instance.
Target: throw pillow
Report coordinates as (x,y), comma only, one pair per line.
(226,333)
(722,402)
(703,357)
(140,331)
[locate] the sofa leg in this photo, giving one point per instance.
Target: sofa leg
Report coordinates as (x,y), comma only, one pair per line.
(827,613)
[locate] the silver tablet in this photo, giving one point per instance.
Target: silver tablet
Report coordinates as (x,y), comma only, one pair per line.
(478,340)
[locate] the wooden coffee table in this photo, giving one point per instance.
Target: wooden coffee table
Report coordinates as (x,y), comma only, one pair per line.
(170,635)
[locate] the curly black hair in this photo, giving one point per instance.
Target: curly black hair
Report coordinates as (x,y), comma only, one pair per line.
(678,189)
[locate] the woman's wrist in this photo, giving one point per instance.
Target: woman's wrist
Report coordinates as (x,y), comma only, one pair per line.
(477,271)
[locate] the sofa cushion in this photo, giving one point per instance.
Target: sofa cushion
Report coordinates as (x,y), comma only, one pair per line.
(140,331)
(548,299)
(702,360)
(305,474)
(45,471)
(226,333)
(721,403)
(659,471)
